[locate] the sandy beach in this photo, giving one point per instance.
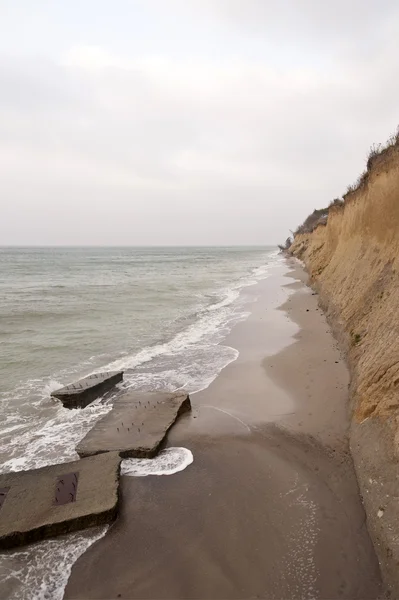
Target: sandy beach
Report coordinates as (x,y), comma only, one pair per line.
(270,507)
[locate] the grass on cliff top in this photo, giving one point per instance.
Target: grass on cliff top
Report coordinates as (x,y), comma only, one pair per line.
(376,151)
(320,216)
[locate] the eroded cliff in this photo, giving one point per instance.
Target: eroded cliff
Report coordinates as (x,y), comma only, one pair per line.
(353,262)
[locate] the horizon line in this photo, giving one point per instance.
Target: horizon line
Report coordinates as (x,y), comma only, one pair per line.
(138,245)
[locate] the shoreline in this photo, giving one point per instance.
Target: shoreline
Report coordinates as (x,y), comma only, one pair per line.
(54,440)
(184,327)
(270,507)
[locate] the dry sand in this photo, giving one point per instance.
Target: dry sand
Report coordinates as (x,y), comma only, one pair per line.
(270,507)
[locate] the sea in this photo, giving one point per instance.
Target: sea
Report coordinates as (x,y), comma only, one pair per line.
(159,314)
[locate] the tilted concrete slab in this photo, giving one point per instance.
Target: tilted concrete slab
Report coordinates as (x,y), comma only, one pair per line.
(58,499)
(84,391)
(136,425)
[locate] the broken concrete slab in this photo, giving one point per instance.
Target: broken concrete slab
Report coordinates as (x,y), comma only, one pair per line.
(58,499)
(84,391)
(136,425)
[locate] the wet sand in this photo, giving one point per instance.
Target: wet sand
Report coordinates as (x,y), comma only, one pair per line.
(270,507)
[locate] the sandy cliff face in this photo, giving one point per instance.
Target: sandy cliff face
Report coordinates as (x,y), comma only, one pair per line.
(353,261)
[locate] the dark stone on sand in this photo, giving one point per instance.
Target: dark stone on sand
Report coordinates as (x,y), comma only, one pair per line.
(58,499)
(3,495)
(136,425)
(84,391)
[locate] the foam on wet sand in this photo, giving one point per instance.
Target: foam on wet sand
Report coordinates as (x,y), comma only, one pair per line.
(168,462)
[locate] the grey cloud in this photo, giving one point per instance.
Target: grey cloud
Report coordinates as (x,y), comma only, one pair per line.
(149,150)
(298,18)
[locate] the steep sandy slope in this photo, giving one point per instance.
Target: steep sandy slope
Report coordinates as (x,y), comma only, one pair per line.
(353,261)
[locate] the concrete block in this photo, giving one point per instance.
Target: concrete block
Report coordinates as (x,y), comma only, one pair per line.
(84,391)
(136,425)
(55,500)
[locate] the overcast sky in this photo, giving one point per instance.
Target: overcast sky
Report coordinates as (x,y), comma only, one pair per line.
(221,122)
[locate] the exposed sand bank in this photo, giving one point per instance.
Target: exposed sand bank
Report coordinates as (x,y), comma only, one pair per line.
(353,262)
(270,506)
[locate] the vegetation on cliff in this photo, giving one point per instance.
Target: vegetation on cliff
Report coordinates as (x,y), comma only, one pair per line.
(378,154)
(284,247)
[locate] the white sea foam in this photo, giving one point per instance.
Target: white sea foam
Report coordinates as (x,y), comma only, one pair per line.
(52,386)
(230,296)
(12,428)
(168,462)
(41,571)
(51,441)
(192,374)
(210,324)
(300,564)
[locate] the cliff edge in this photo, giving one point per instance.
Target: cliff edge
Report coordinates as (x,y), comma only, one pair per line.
(352,256)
